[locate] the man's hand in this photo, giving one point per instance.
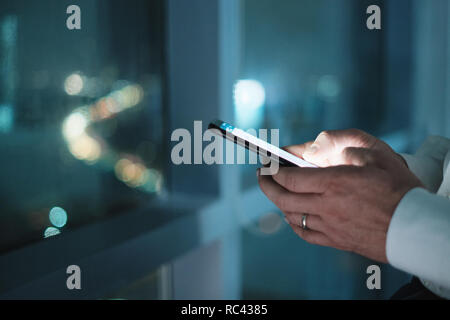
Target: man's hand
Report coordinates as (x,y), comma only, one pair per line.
(327,149)
(349,202)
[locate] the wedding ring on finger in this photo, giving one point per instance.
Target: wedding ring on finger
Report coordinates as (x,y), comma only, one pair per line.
(304,226)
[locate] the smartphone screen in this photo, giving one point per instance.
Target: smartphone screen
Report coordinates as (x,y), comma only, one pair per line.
(257,145)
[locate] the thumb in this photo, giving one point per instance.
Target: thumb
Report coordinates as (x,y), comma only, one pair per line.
(362,157)
(297,150)
(327,149)
(322,151)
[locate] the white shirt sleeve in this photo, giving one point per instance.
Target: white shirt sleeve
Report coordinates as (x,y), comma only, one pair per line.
(428,162)
(418,239)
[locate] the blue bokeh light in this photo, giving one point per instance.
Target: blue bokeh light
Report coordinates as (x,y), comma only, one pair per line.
(249,100)
(50,232)
(58,217)
(249,94)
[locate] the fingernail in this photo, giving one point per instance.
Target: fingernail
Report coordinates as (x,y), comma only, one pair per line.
(312,149)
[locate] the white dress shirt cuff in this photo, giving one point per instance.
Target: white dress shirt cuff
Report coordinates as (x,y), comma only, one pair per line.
(418,237)
(427,169)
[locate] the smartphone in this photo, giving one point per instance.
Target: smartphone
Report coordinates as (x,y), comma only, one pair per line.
(257,145)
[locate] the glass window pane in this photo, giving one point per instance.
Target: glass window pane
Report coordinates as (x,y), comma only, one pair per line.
(81,115)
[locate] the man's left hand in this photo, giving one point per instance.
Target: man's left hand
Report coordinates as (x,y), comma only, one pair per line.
(347,207)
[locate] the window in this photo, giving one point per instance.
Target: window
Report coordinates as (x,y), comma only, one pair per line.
(81,114)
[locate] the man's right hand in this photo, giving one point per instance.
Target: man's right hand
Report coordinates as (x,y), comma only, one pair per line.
(335,148)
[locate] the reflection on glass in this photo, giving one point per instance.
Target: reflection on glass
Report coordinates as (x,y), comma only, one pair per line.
(72,106)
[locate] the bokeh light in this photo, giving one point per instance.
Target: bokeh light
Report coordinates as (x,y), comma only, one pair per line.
(6,118)
(85,148)
(249,94)
(249,100)
(270,223)
(132,173)
(73,84)
(153,181)
(50,232)
(74,125)
(328,87)
(135,175)
(58,217)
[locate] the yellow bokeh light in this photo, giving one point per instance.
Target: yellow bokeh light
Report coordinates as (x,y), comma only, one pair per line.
(85,148)
(134,174)
(74,125)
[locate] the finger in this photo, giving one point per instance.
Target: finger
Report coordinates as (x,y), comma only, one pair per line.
(304,180)
(359,157)
(299,149)
(287,201)
(350,138)
(327,148)
(321,151)
(313,222)
(367,157)
(313,237)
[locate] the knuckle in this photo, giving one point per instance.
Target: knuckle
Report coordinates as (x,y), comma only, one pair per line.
(291,182)
(321,203)
(349,153)
(340,218)
(334,183)
(282,202)
(365,139)
(325,135)
(356,132)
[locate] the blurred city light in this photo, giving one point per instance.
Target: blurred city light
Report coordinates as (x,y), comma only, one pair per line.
(58,217)
(74,125)
(85,148)
(129,170)
(136,175)
(8,70)
(249,94)
(50,232)
(270,223)
(328,87)
(74,84)
(9,30)
(153,181)
(6,118)
(249,100)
